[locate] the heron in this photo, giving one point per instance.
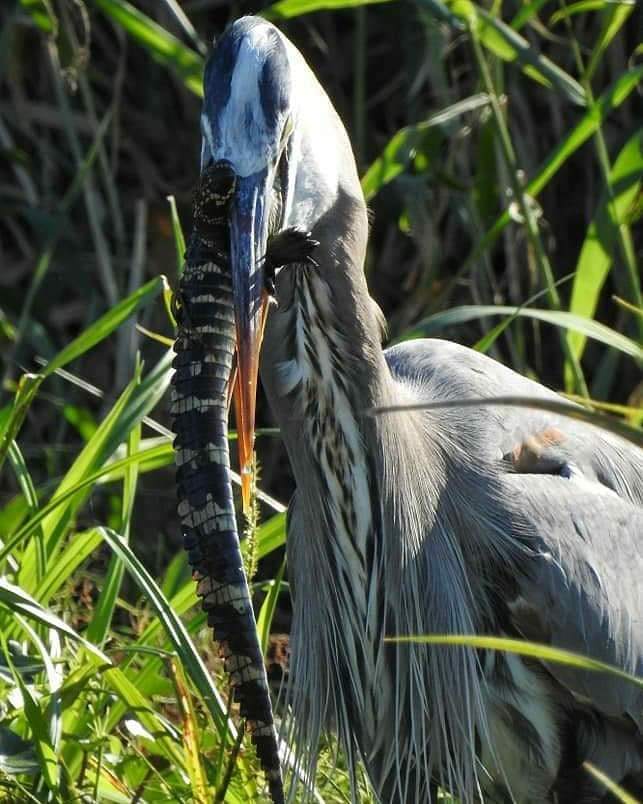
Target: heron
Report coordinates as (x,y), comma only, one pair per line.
(480,520)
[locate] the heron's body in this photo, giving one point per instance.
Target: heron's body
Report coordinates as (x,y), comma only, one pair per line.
(483,548)
(458,521)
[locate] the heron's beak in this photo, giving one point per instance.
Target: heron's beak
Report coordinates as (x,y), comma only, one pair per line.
(248,240)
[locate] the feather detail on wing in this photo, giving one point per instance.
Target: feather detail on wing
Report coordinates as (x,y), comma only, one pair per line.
(583,592)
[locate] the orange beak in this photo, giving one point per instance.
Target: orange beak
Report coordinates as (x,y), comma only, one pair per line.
(248,239)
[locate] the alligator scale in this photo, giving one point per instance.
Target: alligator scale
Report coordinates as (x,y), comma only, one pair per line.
(205,350)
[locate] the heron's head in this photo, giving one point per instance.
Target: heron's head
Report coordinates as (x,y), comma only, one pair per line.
(267,116)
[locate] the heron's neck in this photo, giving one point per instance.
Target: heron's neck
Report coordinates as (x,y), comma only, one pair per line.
(323,365)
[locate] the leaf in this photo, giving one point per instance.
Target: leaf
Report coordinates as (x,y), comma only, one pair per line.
(286,9)
(441,12)
(193,763)
(616,790)
(18,601)
(93,454)
(164,48)
(98,629)
(13,514)
(600,242)
(508,44)
(12,416)
(535,650)
(264,620)
(487,340)
(179,239)
(26,484)
(105,325)
(42,14)
(271,535)
(559,318)
(400,150)
(110,787)
(535,403)
(131,407)
(527,12)
(17,756)
(78,549)
(581,7)
(593,118)
(614,17)
(175,629)
(29,527)
(47,758)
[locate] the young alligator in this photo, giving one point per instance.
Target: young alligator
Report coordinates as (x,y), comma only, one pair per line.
(205,349)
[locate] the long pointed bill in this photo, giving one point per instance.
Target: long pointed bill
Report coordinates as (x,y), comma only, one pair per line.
(248,239)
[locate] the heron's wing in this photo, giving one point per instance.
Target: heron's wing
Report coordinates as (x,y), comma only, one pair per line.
(533,440)
(579,491)
(583,592)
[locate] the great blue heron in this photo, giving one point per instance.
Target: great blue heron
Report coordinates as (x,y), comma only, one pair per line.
(491,520)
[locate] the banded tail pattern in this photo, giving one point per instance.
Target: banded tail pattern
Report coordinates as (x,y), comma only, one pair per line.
(205,349)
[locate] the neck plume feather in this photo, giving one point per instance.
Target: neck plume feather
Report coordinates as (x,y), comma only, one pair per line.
(411,712)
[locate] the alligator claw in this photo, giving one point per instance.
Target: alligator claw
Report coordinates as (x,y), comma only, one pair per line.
(289,246)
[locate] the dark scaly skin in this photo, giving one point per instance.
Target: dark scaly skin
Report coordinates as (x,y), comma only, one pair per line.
(204,356)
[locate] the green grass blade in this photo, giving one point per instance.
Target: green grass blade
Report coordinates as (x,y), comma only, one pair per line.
(593,118)
(27,487)
(615,15)
(155,453)
(271,535)
(14,414)
(93,455)
(37,723)
(527,12)
(191,741)
(133,404)
(130,699)
(399,151)
(616,790)
(17,756)
(27,530)
(601,241)
(98,629)
(105,325)
(443,13)
(582,7)
(136,703)
(559,318)
(18,601)
(52,675)
(505,42)
(159,43)
(287,9)
(486,342)
(179,239)
(79,548)
(267,611)
(174,627)
(553,405)
(176,576)
(42,14)
(534,650)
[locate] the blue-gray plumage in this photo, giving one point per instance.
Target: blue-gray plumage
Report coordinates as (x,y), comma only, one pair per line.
(489,520)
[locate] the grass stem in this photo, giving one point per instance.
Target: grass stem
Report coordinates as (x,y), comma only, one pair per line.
(524,204)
